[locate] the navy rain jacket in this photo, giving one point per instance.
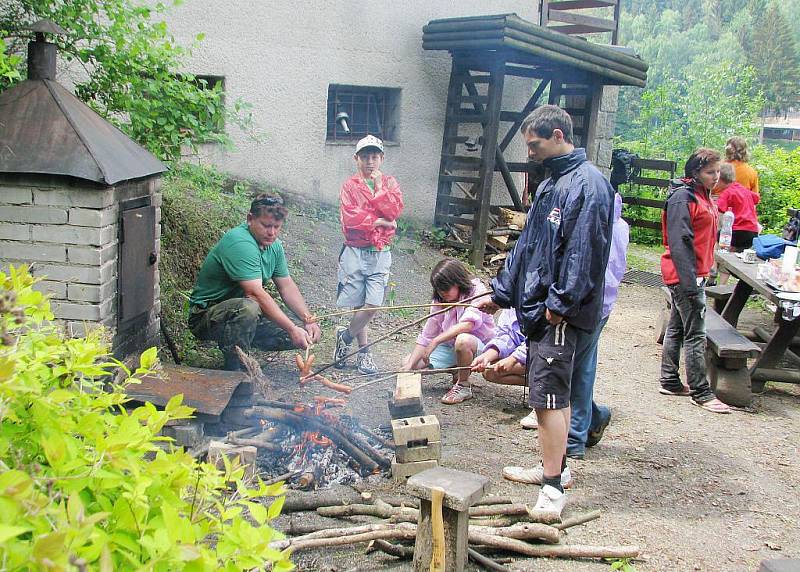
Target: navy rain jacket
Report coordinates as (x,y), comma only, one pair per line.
(559,261)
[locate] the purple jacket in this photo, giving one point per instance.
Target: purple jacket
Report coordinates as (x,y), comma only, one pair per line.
(508,340)
(616,258)
(482,324)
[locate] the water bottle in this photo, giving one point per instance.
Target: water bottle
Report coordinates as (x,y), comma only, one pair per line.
(726,231)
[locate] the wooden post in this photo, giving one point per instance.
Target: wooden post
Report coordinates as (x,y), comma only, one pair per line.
(488,156)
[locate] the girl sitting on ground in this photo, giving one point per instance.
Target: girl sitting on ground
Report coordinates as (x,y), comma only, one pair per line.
(455,337)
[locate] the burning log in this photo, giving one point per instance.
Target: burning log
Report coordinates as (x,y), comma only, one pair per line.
(258,443)
(302,421)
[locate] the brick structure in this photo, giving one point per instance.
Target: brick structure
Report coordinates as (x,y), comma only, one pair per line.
(80,203)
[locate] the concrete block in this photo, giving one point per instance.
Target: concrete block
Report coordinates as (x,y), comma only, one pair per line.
(94,256)
(89,312)
(68,234)
(16,195)
(610,99)
(15,231)
(188,435)
(32,213)
(238,455)
(91,198)
(90,292)
(51,288)
(93,217)
(419,430)
(73,273)
(401,471)
(427,452)
(33,252)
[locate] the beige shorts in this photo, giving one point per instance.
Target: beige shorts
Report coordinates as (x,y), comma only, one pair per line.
(363,276)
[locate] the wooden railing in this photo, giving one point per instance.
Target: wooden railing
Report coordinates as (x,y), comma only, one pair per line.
(657,182)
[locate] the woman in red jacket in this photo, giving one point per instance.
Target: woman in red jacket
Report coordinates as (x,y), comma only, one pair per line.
(689,229)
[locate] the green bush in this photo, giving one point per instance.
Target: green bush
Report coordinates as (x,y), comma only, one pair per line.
(779,179)
(84,482)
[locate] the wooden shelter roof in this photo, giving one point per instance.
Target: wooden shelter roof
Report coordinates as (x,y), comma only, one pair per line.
(534,45)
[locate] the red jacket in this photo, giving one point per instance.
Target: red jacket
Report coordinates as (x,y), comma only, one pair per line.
(689,229)
(359,209)
(742,201)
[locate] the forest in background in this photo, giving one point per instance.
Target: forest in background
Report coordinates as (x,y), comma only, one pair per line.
(717,68)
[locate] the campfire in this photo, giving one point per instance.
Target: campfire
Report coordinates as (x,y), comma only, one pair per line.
(310,446)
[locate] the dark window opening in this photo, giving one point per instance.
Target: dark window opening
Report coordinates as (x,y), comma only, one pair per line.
(214,83)
(370,111)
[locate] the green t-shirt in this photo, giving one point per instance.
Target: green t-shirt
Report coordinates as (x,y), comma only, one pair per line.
(236,257)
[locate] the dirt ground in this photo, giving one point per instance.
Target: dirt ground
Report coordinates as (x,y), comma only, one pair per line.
(695,490)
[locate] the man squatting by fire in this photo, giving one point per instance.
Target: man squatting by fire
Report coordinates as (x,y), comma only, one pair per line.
(554,279)
(229,303)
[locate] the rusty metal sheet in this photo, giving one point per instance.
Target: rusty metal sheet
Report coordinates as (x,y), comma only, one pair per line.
(45,129)
(137,261)
(207,390)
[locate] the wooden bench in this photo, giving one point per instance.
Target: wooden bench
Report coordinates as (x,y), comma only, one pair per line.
(727,351)
(720,294)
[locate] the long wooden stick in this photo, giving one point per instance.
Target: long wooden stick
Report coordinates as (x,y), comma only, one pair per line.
(576,520)
(316,318)
(393,332)
(426,371)
(485,561)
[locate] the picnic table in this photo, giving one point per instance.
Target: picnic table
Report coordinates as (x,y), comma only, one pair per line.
(766,366)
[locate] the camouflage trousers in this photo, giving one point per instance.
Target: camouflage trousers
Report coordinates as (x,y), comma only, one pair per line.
(239,322)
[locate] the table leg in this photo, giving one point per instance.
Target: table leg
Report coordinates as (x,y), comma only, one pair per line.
(736,302)
(775,349)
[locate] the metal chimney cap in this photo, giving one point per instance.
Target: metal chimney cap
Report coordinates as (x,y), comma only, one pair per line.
(47,27)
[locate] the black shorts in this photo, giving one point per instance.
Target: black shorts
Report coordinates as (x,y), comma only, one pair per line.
(742,239)
(550,367)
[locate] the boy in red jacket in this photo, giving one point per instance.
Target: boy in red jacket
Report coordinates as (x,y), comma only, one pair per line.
(369,204)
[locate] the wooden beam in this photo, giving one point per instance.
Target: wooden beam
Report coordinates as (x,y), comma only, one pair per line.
(533,102)
(581,4)
(642,223)
(643,202)
(600,24)
(448,146)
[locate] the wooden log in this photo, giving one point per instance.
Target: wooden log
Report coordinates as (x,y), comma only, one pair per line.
(485,561)
(258,443)
(498,510)
(553,550)
(523,531)
(576,520)
(398,550)
(378,510)
(403,531)
(312,501)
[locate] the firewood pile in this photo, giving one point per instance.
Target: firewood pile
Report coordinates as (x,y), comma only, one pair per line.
(500,530)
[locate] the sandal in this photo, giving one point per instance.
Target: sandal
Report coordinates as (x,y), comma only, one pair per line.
(714,406)
(457,394)
(685,392)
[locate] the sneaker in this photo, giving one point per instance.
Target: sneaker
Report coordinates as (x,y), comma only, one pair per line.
(684,391)
(529,421)
(342,348)
(365,363)
(549,505)
(576,453)
(596,434)
(535,475)
(457,394)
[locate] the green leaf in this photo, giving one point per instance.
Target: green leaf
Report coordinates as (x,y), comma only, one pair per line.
(148,359)
(275,508)
(7,532)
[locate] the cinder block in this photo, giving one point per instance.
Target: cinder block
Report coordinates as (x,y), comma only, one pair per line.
(33,252)
(429,451)
(16,195)
(237,454)
(93,199)
(187,435)
(401,471)
(90,312)
(416,430)
(91,293)
(15,231)
(93,217)
(73,273)
(51,288)
(68,234)
(32,213)
(92,255)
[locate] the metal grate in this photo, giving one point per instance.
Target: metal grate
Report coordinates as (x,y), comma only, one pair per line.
(371,111)
(643,278)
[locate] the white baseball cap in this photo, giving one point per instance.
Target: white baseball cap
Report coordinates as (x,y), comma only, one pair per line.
(369,141)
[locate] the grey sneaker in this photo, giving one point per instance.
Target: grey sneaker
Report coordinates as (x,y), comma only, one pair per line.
(534,475)
(365,363)
(342,348)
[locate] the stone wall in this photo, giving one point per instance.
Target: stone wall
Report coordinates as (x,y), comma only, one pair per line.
(68,231)
(599,151)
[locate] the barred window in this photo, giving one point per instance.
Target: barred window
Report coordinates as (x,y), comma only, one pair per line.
(370,111)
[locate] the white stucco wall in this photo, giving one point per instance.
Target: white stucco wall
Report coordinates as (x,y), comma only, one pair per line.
(280,56)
